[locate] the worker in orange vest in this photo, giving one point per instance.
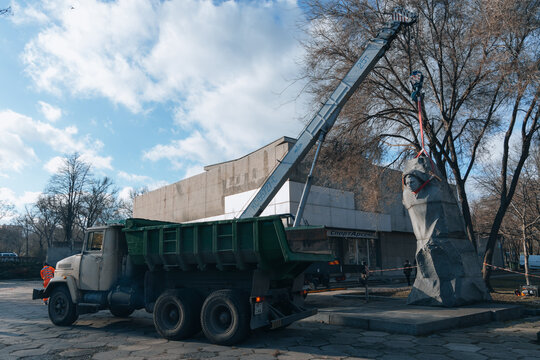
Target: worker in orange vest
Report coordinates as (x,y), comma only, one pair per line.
(47,273)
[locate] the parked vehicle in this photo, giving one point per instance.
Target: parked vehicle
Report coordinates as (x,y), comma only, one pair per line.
(8,257)
(323,272)
(226,277)
(8,254)
(534,261)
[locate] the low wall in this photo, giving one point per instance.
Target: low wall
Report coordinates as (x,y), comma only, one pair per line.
(20,268)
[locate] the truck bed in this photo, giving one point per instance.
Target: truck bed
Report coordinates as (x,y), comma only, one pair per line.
(237,244)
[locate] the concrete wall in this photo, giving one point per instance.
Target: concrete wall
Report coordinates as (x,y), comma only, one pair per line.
(329,207)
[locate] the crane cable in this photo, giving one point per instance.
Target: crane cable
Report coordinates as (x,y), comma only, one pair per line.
(417,80)
(423,150)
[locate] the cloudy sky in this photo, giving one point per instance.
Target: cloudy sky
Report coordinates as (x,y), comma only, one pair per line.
(148,92)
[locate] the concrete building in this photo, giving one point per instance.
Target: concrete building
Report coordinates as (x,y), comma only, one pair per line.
(384,239)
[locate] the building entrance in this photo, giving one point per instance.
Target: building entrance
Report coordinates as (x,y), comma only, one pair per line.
(352,248)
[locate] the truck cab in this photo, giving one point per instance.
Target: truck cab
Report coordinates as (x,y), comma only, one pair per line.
(99,264)
(101,258)
(86,282)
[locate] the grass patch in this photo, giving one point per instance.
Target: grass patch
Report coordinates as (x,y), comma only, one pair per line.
(504,287)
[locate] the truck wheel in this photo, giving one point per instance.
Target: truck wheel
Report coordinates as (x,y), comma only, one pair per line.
(121,311)
(225,317)
(62,310)
(176,314)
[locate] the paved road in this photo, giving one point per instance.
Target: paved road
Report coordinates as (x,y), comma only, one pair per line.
(26,333)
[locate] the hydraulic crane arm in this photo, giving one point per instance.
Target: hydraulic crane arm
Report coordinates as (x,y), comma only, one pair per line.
(325,118)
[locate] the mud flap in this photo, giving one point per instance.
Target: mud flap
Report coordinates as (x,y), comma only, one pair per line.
(284,321)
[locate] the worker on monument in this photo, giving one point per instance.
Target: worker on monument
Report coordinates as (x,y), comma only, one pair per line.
(47,273)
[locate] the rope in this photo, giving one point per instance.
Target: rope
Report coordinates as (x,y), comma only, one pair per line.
(511,271)
(423,150)
(394,269)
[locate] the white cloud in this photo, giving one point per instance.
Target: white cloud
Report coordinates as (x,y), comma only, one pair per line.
(193,148)
(124,193)
(28,14)
(27,198)
(93,49)
(157,184)
(133,178)
(98,162)
(493,149)
(54,164)
(193,170)
(226,66)
(19,131)
(50,112)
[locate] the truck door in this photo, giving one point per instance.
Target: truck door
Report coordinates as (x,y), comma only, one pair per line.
(92,258)
(111,261)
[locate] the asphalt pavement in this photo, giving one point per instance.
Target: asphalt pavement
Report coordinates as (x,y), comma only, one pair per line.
(27,333)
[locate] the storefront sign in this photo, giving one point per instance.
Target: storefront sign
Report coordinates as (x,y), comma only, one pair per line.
(352,234)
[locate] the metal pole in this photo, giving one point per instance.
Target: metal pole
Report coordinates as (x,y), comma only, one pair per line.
(367,252)
(307,186)
(357,254)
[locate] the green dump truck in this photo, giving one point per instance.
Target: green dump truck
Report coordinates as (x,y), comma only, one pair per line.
(224,277)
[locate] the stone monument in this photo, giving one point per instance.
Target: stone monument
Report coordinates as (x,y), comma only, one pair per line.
(448,272)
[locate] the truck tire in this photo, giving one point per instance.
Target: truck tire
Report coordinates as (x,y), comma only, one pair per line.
(121,311)
(62,311)
(225,317)
(176,314)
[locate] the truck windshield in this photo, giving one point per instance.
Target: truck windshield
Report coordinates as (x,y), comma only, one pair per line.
(95,241)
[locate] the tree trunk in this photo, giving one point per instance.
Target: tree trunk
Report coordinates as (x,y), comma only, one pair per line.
(490,246)
(464,202)
(525,251)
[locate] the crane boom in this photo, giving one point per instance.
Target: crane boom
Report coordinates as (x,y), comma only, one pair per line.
(325,118)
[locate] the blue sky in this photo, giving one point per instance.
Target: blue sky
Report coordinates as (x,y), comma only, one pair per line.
(148,92)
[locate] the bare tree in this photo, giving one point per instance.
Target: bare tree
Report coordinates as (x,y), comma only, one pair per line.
(44,220)
(5,11)
(6,209)
(11,238)
(462,91)
(26,231)
(529,216)
(514,27)
(99,203)
(125,207)
(66,190)
(523,216)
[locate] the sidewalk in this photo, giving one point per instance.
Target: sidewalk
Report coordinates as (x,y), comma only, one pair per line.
(381,313)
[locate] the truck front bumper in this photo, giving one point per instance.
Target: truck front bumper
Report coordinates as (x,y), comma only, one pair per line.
(38,294)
